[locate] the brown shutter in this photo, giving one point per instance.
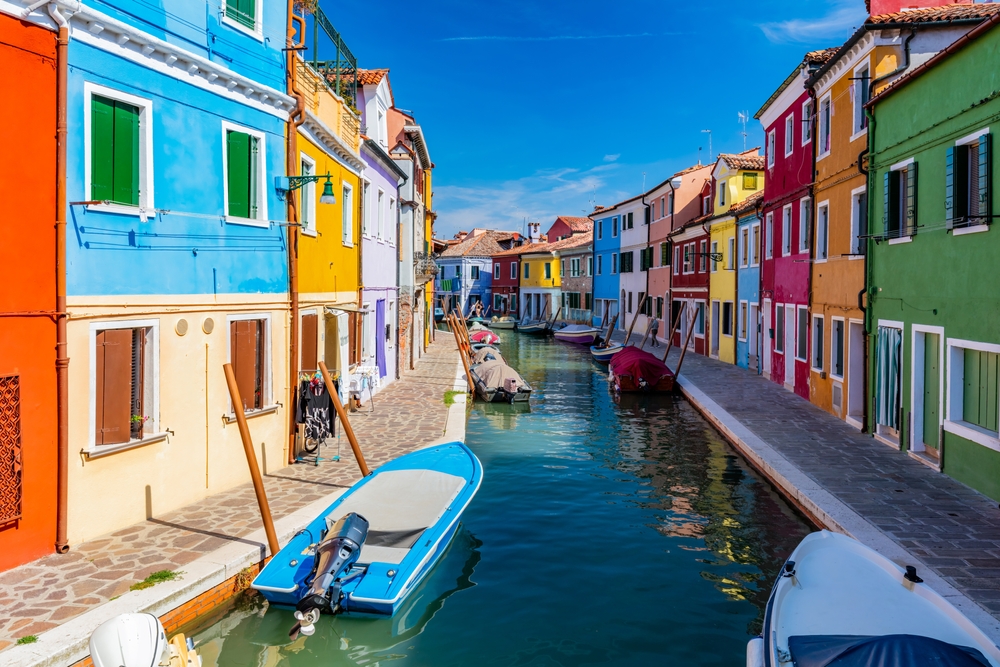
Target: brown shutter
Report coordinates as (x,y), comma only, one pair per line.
(245,359)
(259,368)
(114,386)
(310,323)
(352,325)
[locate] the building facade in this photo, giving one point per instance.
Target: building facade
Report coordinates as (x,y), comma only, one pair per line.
(576,265)
(540,283)
(632,288)
(466,275)
(507,281)
(566,226)
(748,256)
(690,272)
(607,243)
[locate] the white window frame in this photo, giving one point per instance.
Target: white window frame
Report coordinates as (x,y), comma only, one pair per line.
(390,319)
(267,384)
(146,205)
(744,246)
(380,214)
(899,166)
(677,260)
(307,197)
(496,271)
(600,230)
(769,235)
(856,240)
(804,222)
(93,449)
(514,270)
(822,240)
(789,134)
(590,265)
(257,32)
(770,148)
(390,236)
(614,263)
(261,220)
(807,112)
(722,192)
(858,113)
(843,345)
(786,230)
(366,209)
(744,319)
(347,214)
(614,227)
(714,266)
(954,407)
(755,244)
(824,129)
(731,253)
(822,333)
(798,332)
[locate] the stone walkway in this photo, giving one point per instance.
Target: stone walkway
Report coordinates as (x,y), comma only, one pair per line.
(950,528)
(409,414)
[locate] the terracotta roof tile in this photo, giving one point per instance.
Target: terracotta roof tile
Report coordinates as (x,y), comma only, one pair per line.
(820,57)
(576,223)
(748,204)
(945,13)
(746,160)
(371,77)
(481,245)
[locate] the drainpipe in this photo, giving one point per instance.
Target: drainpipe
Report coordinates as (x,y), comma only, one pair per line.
(760,289)
(812,203)
(649,225)
(295,119)
(62,358)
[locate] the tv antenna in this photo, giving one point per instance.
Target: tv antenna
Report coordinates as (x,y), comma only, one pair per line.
(744,117)
(710,153)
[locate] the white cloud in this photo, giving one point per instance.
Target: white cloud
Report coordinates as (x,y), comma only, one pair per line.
(843,17)
(612,157)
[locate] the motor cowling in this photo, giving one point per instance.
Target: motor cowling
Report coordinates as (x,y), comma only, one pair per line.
(130,640)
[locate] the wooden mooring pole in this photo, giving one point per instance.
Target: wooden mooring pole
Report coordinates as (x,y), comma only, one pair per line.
(684,349)
(462,352)
(342,413)
(673,330)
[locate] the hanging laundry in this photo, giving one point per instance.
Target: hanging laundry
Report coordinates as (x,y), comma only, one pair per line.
(315,409)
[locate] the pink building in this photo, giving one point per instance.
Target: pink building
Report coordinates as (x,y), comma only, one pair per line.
(788,120)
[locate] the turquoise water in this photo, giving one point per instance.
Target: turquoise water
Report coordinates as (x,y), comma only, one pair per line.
(603,534)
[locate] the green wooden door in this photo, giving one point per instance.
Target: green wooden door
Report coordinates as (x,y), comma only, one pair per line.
(932,390)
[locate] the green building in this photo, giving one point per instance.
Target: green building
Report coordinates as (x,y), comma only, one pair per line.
(933,273)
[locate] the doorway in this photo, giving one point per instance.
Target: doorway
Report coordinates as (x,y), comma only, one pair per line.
(926,390)
(753,336)
(856,373)
(790,347)
(715,329)
(767,339)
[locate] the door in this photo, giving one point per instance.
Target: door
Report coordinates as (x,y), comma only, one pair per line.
(790,347)
(715,329)
(768,341)
(309,349)
(753,330)
(931,393)
(380,336)
(856,372)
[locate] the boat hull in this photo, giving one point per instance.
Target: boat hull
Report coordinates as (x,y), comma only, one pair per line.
(578,337)
(604,354)
(503,324)
(628,384)
(538,329)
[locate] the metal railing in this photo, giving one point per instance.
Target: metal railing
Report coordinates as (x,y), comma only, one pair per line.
(340,72)
(424,264)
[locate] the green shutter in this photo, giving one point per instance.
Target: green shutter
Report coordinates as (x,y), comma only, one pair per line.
(243,12)
(911,199)
(102,148)
(949,188)
(238,176)
(253,176)
(886,190)
(979,399)
(126,177)
(985,155)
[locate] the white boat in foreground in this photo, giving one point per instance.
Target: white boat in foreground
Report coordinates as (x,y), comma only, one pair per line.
(839,603)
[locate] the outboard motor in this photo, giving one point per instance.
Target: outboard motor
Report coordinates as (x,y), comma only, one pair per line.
(130,640)
(338,551)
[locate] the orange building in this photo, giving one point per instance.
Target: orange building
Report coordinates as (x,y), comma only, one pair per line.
(27,299)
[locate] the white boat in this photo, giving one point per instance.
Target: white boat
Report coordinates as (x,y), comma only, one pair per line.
(577,333)
(837,602)
(503,322)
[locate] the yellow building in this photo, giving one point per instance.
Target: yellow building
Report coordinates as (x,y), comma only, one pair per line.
(735,177)
(540,282)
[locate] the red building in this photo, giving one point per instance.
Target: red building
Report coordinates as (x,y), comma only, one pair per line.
(566,226)
(506,280)
(788,120)
(690,268)
(28,414)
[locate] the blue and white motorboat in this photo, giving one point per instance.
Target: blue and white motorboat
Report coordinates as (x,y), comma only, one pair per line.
(371,548)
(604,353)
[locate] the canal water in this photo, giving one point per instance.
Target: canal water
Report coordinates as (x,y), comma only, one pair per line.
(604,534)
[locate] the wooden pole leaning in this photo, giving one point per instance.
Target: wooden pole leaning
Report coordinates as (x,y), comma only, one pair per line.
(684,349)
(258,482)
(455,329)
(635,319)
(649,325)
(611,327)
(342,413)
(604,320)
(673,330)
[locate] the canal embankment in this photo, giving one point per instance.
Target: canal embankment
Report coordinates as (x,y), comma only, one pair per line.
(214,547)
(848,482)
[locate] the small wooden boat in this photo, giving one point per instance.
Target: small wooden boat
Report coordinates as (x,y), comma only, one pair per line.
(577,333)
(535,328)
(837,602)
(503,322)
(496,382)
(603,354)
(439,314)
(633,369)
(484,336)
(371,548)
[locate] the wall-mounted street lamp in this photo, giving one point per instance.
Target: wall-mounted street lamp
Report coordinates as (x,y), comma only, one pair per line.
(288,184)
(715,256)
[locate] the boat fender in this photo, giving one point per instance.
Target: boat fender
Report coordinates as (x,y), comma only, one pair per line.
(755,652)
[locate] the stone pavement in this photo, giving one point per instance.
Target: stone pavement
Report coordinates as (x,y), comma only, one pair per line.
(409,413)
(949,527)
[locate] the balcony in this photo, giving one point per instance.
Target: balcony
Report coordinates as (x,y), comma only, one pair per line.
(424,266)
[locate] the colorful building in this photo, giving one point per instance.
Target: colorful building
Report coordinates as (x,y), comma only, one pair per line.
(506,282)
(690,272)
(29,416)
(467,270)
(539,284)
(607,243)
(176,255)
(632,255)
(735,177)
(933,308)
(788,118)
(566,226)
(748,256)
(879,52)
(576,266)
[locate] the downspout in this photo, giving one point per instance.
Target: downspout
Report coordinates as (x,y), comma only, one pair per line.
(359,324)
(295,119)
(648,218)
(814,123)
(760,288)
(62,358)
(399,260)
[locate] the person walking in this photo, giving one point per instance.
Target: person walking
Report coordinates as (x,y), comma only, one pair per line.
(656,327)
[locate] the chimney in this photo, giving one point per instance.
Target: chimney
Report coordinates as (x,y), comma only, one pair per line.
(533,231)
(877,7)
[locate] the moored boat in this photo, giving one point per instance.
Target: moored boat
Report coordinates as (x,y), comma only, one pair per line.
(485,353)
(837,602)
(503,322)
(495,381)
(371,548)
(439,314)
(603,354)
(536,328)
(632,369)
(577,333)
(484,336)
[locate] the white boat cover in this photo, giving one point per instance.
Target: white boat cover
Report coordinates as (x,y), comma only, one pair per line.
(478,326)
(494,373)
(577,328)
(883,651)
(486,354)
(399,505)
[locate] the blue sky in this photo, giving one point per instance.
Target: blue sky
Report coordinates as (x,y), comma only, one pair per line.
(538,109)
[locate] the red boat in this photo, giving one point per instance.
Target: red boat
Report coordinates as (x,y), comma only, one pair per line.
(633,370)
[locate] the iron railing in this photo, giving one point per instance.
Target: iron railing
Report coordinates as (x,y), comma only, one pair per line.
(424,264)
(339,69)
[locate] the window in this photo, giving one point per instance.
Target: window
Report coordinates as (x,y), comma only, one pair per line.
(824,126)
(823,231)
(745,246)
(861,97)
(643,256)
(380,203)
(670,203)
(625,263)
(474,271)
(802,334)
(769,235)
(498,302)
(779,327)
(677,259)
(900,192)
(817,351)
(119,145)
(308,197)
(859,220)
(347,215)
(722,193)
(743,320)
(614,263)
(750,180)
(496,272)
(703,256)
(699,321)
(973,391)
(755,244)
(574,267)
(807,113)
(548,270)
(770,148)
(715,252)
(659,308)
(789,134)
(527,266)
(727,318)
(647,211)
(614,227)
(248,347)
(244,166)
(837,348)
(689,258)
(663,206)
(588,300)
(366,209)
(730,253)
(600,230)
(664,254)
(805,223)
(562,267)
(629,217)
(513,271)
(706,204)
(590,265)
(600,265)
(572,299)
(967,182)
(630,302)
(242,13)
(786,230)
(124,379)
(391,230)
(458,271)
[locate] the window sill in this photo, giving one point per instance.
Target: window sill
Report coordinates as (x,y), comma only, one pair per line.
(976,434)
(860,133)
(122,209)
(271,409)
(822,156)
(246,222)
(974,229)
(98,451)
(312,233)
(819,260)
(901,239)
(250,32)
(855,255)
(347,244)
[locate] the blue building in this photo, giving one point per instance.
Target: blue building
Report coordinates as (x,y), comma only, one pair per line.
(748,255)
(607,244)
(176,252)
(466,270)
